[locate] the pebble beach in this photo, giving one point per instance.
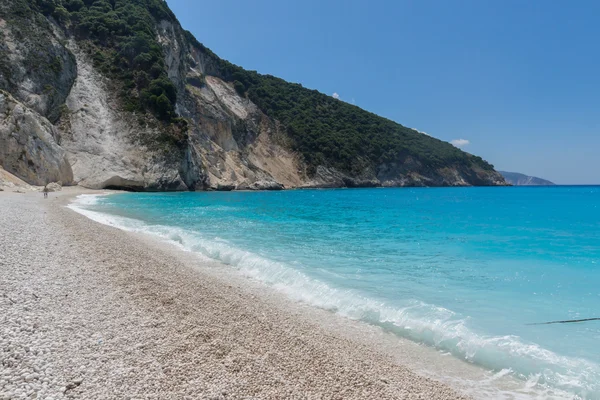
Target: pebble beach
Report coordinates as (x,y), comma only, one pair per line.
(88,311)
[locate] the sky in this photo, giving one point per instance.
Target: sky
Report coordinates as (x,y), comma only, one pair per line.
(515,82)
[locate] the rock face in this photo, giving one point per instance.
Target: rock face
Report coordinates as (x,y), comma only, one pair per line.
(54,187)
(102,143)
(517,179)
(63,120)
(35,67)
(10,182)
(28,145)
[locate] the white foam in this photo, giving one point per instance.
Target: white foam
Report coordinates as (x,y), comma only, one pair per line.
(87,200)
(544,373)
(83,201)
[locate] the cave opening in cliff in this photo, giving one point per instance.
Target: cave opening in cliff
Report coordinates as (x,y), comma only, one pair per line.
(123,188)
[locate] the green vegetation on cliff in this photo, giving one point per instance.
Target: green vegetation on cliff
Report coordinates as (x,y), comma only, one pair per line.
(26,55)
(121,36)
(328,131)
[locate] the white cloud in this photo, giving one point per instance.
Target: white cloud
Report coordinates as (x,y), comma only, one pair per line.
(424,133)
(460,142)
(335,95)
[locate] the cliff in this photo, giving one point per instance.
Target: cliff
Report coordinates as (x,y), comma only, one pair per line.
(115,94)
(517,179)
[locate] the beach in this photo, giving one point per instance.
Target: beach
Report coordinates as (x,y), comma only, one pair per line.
(90,311)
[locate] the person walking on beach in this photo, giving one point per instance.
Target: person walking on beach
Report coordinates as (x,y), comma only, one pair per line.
(45,191)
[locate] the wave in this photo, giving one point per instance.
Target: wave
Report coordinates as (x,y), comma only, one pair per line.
(421,322)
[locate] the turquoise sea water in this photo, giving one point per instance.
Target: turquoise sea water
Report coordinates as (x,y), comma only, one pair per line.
(464,270)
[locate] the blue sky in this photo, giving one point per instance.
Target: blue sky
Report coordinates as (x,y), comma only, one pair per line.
(518,80)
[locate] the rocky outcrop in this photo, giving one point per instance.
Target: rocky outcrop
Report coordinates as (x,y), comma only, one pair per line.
(235,143)
(28,145)
(9,182)
(408,173)
(35,67)
(54,187)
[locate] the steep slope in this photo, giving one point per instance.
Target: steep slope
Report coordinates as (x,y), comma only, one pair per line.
(135,102)
(103,144)
(517,179)
(28,145)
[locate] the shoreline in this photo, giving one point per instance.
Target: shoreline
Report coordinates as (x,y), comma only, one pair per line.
(250,342)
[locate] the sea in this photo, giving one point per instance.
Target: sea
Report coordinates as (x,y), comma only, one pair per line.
(469,272)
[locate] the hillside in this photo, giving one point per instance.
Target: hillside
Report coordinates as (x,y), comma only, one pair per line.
(517,179)
(114,93)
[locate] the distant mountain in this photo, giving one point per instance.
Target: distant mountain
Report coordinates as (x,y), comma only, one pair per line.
(517,179)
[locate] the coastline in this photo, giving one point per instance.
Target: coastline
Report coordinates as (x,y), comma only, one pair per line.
(154,321)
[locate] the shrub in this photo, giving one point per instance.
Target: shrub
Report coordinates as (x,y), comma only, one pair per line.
(239,88)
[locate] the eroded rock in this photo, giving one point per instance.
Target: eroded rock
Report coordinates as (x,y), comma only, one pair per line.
(54,187)
(28,148)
